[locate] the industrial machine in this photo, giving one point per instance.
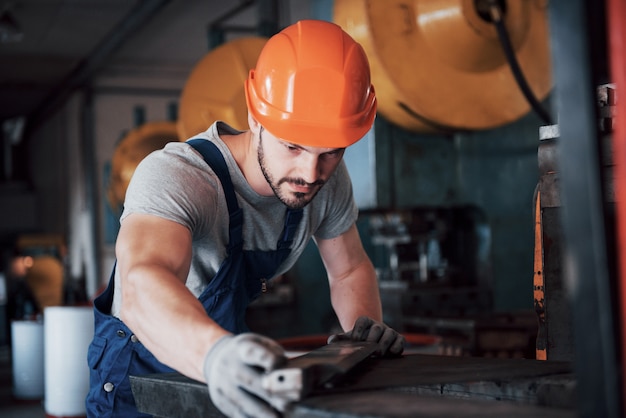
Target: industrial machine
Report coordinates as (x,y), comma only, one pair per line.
(432,262)
(214,89)
(455,72)
(555,340)
(467,65)
(434,271)
(132,148)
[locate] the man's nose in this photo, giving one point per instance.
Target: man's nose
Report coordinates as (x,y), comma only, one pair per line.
(308,168)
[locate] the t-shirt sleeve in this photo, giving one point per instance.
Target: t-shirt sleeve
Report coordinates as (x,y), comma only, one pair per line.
(340,210)
(172,185)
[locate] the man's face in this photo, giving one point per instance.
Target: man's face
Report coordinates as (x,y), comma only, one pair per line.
(295,172)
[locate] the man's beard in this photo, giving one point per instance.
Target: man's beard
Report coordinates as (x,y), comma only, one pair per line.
(294,200)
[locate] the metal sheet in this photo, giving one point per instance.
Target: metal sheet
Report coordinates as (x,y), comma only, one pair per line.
(402,405)
(425,370)
(399,387)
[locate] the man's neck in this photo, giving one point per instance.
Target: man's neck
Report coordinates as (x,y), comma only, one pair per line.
(242,148)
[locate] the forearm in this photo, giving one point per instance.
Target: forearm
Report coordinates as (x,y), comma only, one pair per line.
(167,318)
(356,294)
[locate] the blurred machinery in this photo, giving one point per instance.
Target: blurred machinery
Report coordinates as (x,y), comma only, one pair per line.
(434,246)
(555,340)
(214,89)
(434,272)
(129,152)
(46,279)
(466,65)
(37,277)
(455,72)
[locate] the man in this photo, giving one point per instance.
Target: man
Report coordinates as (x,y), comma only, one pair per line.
(206,223)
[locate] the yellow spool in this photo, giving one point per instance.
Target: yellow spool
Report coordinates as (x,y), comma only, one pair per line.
(438,65)
(45,279)
(129,152)
(214,89)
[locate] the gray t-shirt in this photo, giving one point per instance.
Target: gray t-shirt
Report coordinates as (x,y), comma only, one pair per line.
(175,183)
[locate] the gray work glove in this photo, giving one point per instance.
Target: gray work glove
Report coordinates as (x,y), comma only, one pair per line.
(234,368)
(390,342)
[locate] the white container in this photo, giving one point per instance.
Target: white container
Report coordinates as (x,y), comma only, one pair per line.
(68,331)
(27,349)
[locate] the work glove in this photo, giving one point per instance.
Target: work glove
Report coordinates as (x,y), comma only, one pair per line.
(234,368)
(390,342)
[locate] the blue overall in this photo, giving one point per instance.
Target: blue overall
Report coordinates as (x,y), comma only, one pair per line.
(115,352)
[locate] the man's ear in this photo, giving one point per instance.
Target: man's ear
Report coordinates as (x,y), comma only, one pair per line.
(255,126)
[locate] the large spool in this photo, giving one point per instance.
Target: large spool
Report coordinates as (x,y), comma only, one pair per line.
(439,65)
(214,90)
(45,279)
(129,152)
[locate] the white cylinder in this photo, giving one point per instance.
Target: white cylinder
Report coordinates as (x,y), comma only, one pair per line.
(68,331)
(27,344)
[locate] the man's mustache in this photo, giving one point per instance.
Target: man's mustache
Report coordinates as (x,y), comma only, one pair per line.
(301,182)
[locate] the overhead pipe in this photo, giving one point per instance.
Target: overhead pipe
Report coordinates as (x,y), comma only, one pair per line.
(616,16)
(268,23)
(217,29)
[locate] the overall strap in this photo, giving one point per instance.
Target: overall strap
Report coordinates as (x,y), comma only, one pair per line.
(104,300)
(214,158)
(292,220)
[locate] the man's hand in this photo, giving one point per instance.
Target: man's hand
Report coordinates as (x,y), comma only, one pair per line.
(233,369)
(390,342)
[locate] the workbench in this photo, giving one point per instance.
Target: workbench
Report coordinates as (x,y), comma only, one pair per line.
(414,385)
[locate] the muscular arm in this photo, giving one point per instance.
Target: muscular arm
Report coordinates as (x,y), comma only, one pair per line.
(153,258)
(353,287)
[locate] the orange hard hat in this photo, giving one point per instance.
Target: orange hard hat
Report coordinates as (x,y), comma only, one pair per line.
(311,86)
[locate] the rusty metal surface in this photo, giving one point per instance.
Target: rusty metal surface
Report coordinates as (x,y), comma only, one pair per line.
(172,395)
(401,405)
(427,370)
(413,385)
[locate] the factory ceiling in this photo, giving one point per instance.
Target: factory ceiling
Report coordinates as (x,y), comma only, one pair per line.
(43,41)
(48,48)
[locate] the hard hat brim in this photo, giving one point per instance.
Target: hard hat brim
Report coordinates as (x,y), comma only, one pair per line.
(341,133)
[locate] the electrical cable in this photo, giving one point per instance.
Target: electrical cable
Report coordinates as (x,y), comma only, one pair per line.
(496,17)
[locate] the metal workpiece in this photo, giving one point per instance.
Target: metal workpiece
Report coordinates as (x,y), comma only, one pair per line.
(316,369)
